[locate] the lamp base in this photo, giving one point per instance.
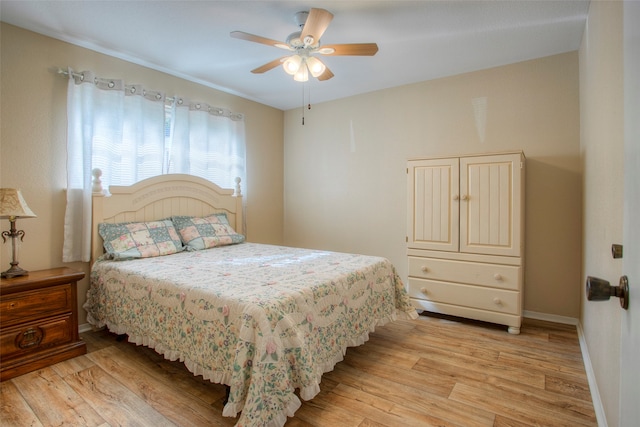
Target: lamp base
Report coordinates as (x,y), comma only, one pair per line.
(14,271)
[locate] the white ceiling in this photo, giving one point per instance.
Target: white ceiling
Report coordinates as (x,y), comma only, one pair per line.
(418,40)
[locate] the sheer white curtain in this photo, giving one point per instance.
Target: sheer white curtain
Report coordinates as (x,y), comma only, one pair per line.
(114,127)
(208,142)
(131,133)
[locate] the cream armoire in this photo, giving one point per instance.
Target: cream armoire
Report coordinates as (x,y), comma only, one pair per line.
(465,236)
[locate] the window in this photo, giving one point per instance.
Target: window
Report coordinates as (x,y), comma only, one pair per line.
(131,133)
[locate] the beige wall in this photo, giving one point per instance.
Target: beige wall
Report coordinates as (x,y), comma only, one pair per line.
(33,141)
(602,154)
(345,180)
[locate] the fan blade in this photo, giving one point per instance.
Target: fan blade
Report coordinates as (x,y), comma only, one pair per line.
(355,49)
(268,66)
(326,75)
(257,39)
(317,22)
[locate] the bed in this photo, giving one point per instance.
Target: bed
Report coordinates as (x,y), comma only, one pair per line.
(265,320)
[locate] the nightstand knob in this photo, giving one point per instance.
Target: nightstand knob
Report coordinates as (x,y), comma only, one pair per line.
(497,301)
(30,338)
(424,291)
(497,276)
(424,269)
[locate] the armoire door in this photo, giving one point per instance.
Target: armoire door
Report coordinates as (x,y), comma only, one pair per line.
(490,204)
(433,210)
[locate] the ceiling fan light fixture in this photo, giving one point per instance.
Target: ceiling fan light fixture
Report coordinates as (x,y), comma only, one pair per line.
(302,75)
(305,43)
(292,64)
(316,67)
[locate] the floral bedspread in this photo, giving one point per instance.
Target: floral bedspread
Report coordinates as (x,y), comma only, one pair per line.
(264,320)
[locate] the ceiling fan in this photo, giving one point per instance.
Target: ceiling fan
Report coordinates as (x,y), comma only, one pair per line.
(305,45)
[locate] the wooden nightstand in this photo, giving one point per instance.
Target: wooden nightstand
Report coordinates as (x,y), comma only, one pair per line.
(38,321)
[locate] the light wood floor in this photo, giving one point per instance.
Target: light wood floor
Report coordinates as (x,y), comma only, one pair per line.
(431,371)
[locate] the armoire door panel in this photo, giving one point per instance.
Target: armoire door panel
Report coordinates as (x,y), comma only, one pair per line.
(433,205)
(489,210)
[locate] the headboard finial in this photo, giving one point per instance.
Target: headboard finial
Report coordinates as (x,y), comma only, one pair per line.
(238,189)
(96,183)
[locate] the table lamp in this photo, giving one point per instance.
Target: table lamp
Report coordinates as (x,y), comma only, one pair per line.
(12,207)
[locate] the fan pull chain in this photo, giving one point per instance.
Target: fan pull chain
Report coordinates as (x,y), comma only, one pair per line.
(308,101)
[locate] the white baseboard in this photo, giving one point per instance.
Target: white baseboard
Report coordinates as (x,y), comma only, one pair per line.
(85,327)
(591,377)
(551,317)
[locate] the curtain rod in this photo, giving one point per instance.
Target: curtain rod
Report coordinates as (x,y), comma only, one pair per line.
(197,105)
(81,77)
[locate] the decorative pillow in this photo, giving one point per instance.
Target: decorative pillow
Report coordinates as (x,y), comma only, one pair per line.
(206,232)
(129,240)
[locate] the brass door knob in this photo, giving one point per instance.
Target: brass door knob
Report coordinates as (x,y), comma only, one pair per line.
(601,290)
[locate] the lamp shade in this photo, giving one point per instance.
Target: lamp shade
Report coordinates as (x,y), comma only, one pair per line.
(302,75)
(12,204)
(292,64)
(316,67)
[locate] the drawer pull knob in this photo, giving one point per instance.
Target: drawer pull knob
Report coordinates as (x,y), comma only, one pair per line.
(497,301)
(424,291)
(424,269)
(29,338)
(497,276)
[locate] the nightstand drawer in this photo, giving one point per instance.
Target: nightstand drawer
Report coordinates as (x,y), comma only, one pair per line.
(31,305)
(475,273)
(33,337)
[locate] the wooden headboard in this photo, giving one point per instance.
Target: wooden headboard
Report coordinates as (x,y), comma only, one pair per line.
(161,197)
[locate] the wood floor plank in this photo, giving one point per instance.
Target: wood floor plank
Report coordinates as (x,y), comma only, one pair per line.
(174,373)
(535,338)
(502,421)
(54,401)
(504,343)
(542,364)
(434,382)
(181,409)
(416,398)
(577,387)
(320,412)
(468,367)
(118,405)
(535,407)
(379,411)
(421,342)
(15,412)
(368,423)
(72,366)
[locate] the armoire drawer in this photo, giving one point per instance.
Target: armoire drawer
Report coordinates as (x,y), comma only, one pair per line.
(475,273)
(493,299)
